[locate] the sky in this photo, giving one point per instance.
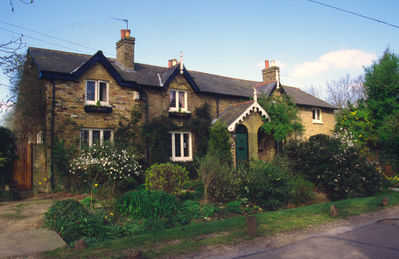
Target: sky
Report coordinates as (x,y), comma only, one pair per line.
(312,44)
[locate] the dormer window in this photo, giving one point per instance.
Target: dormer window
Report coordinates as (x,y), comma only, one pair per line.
(316,115)
(178,100)
(96,92)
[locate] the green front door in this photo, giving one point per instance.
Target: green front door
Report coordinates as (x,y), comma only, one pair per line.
(241,144)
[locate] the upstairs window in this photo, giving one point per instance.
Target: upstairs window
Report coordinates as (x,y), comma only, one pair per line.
(88,137)
(96,91)
(181,146)
(178,100)
(316,115)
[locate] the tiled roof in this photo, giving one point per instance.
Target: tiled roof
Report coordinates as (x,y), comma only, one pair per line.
(232,112)
(59,62)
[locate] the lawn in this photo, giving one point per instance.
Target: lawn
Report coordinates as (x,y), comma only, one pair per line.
(189,238)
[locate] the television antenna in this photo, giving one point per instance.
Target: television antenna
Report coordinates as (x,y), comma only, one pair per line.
(122,20)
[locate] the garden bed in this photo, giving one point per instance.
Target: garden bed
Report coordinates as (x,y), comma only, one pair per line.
(234,229)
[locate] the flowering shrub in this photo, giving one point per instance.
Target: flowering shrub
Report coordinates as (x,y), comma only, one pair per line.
(166,177)
(338,169)
(105,164)
(393,181)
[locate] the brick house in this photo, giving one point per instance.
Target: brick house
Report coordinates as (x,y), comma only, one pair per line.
(87,96)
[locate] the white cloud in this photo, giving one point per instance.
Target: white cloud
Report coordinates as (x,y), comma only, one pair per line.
(340,59)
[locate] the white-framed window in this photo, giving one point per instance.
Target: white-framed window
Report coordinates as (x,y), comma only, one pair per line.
(178,100)
(88,137)
(136,95)
(181,146)
(316,115)
(97,91)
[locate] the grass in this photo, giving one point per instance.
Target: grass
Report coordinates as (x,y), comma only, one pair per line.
(232,230)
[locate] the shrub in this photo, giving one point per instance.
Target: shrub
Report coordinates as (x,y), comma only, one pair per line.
(338,169)
(216,177)
(189,210)
(105,164)
(166,177)
(72,221)
(234,206)
(145,204)
(7,156)
(267,185)
(303,191)
(219,144)
(208,210)
(8,195)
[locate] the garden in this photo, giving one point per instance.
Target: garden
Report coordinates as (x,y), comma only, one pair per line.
(133,193)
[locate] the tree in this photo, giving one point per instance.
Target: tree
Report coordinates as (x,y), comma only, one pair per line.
(382,86)
(219,143)
(284,117)
(345,90)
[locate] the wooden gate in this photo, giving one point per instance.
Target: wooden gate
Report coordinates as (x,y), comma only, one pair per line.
(22,176)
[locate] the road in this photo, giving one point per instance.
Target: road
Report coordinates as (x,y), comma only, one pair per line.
(377,239)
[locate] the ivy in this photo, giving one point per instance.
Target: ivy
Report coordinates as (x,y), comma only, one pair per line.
(284,117)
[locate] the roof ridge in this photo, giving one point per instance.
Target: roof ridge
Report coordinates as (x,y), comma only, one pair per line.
(264,83)
(222,76)
(61,51)
(242,103)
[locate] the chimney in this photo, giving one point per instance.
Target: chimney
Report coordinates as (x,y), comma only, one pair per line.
(271,73)
(125,49)
(172,62)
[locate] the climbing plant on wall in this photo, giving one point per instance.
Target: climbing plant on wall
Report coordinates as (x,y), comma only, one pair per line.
(284,117)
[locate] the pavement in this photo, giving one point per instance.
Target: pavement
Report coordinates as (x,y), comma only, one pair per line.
(29,242)
(376,239)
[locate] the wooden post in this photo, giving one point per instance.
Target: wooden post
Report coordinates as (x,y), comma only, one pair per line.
(251,225)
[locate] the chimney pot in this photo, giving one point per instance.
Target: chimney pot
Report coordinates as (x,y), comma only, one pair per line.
(169,63)
(266,63)
(273,63)
(125,33)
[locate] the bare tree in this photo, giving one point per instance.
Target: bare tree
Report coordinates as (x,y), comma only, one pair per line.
(345,89)
(315,91)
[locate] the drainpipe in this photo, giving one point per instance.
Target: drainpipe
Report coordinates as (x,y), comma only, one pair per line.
(52,136)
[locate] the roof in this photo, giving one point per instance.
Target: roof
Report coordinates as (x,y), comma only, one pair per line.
(53,61)
(68,66)
(235,113)
(298,96)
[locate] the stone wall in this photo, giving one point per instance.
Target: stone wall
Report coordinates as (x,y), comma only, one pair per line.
(70,115)
(158,100)
(40,176)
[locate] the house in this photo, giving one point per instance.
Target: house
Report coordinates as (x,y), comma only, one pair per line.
(87,96)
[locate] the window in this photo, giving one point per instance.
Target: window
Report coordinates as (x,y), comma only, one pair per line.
(178,100)
(96,91)
(316,115)
(181,146)
(89,137)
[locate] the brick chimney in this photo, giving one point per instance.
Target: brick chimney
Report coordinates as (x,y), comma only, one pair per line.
(125,49)
(271,72)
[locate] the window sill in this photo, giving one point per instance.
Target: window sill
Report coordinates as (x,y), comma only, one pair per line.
(181,159)
(317,122)
(181,114)
(98,109)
